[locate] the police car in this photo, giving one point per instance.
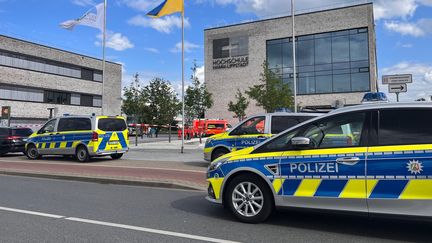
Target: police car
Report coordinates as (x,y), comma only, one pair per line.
(81,136)
(251,132)
(374,158)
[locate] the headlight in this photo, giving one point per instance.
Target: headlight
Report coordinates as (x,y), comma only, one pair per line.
(215,165)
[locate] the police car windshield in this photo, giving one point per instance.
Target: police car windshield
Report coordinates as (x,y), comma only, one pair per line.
(111,124)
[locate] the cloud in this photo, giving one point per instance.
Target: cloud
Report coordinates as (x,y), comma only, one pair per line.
(387,9)
(115,41)
(200,73)
(422,80)
(84,2)
(164,25)
(151,49)
(417,29)
(188,47)
(404,28)
(404,45)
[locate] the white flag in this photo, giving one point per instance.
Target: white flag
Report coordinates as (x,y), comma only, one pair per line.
(93,18)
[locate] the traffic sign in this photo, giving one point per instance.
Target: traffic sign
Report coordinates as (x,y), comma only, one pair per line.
(397,79)
(397,88)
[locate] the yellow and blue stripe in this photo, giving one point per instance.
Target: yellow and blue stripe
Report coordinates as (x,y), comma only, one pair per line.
(167,7)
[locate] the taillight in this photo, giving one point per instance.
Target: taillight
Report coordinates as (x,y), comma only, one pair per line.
(95,137)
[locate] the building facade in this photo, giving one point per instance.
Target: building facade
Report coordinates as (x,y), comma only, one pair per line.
(35,79)
(335,57)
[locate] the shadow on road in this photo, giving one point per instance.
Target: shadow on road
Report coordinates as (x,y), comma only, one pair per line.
(198,164)
(329,222)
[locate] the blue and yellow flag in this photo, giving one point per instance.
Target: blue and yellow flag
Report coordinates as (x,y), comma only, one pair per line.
(167,7)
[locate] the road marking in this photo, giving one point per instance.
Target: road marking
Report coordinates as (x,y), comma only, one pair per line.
(115,225)
(108,166)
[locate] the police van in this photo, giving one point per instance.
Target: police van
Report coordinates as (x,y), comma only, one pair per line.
(81,136)
(374,158)
(251,132)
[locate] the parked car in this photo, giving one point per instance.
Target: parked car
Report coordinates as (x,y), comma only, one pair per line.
(81,136)
(374,159)
(13,139)
(251,132)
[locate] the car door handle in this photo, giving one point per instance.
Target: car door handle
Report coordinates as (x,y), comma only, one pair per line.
(261,137)
(348,161)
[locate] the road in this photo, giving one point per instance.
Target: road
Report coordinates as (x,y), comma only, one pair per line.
(90,212)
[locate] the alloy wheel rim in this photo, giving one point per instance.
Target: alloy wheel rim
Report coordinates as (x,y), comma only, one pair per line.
(247,199)
(32,152)
(81,154)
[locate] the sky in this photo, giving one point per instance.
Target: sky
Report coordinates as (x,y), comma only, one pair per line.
(151,47)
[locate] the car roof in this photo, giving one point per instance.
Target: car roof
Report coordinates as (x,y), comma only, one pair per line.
(373,106)
(288,114)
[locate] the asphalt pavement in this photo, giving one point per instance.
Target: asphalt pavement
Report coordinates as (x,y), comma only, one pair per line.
(46,210)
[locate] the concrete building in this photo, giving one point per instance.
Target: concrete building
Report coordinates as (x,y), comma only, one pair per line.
(35,78)
(336,57)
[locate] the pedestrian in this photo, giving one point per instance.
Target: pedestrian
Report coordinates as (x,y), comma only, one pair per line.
(149,132)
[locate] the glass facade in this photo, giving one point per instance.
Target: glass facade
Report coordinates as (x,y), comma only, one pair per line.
(41,65)
(332,62)
(10,92)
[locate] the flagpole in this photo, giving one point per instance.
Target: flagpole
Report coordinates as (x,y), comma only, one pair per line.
(294,56)
(183,100)
(103,55)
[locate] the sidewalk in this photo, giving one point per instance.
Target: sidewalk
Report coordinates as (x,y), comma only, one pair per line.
(166,174)
(175,144)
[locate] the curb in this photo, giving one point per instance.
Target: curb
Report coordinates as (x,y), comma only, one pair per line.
(105,180)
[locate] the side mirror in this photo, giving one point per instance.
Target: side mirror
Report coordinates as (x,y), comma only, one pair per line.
(300,142)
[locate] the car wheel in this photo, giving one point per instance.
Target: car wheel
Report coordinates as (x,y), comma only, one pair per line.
(249,198)
(82,154)
(32,152)
(218,153)
(116,156)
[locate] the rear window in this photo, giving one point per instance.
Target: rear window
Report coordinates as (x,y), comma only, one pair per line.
(405,126)
(74,124)
(22,132)
(111,124)
(281,123)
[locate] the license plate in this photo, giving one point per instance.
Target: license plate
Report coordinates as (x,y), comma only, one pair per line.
(113,142)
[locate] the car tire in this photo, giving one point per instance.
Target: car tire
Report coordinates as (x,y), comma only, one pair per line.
(249,198)
(116,156)
(82,154)
(218,153)
(32,152)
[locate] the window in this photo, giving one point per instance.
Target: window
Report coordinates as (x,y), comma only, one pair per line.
(281,123)
(221,48)
(47,66)
(22,132)
(338,131)
(111,124)
(48,127)
(330,61)
(86,74)
(74,124)
(75,99)
(216,126)
(97,101)
(4,131)
(399,127)
(280,143)
(54,97)
(86,100)
(254,125)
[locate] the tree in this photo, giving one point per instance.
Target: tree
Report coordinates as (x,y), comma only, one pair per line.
(162,102)
(134,102)
(239,108)
(272,93)
(197,98)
